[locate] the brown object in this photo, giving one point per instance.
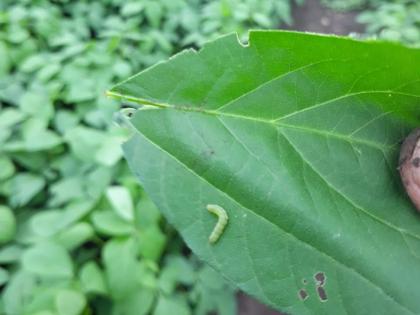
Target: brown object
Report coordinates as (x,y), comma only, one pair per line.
(409,166)
(249,306)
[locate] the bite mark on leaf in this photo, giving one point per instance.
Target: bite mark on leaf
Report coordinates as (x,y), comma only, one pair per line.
(320,278)
(303,295)
(322,294)
(320,281)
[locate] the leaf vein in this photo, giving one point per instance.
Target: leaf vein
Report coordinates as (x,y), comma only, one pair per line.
(292,236)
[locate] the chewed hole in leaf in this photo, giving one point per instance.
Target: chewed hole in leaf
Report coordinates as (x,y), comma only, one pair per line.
(320,278)
(303,295)
(322,294)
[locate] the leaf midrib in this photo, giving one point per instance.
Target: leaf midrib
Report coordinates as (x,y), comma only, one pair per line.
(357,273)
(276,121)
(276,124)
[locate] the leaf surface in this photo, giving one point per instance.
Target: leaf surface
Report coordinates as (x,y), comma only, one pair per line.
(296,136)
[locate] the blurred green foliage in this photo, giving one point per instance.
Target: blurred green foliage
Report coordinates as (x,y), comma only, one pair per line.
(394,20)
(77,233)
(343,5)
(360,4)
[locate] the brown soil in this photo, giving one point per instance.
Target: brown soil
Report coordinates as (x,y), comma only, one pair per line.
(313,17)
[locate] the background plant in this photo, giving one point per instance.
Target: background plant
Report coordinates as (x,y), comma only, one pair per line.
(395,20)
(72,217)
(78,234)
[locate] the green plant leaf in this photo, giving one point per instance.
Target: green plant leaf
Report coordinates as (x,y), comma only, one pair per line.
(151,243)
(171,305)
(177,269)
(6,167)
(45,312)
(138,302)
(66,189)
(296,136)
(146,213)
(59,146)
(10,253)
(4,276)
(109,223)
(84,142)
(7,224)
(23,187)
(214,293)
(74,236)
(9,117)
(37,104)
(92,279)
(48,260)
(50,222)
(18,292)
(119,258)
(36,137)
(120,199)
(70,302)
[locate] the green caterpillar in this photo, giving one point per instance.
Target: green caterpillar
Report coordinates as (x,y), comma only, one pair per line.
(221,222)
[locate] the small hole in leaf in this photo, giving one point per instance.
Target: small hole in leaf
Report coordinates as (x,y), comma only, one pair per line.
(322,294)
(320,278)
(303,295)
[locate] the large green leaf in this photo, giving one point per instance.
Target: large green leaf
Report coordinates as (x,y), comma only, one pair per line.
(296,136)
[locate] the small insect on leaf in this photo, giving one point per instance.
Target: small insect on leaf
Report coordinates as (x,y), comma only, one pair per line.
(222,220)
